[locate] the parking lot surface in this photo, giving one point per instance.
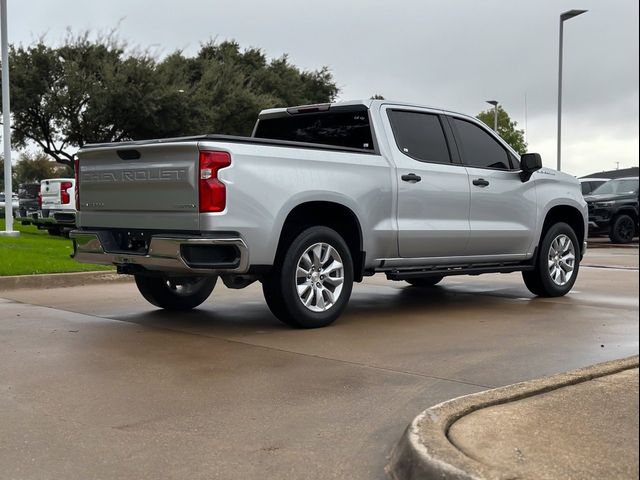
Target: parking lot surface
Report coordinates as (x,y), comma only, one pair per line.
(96,383)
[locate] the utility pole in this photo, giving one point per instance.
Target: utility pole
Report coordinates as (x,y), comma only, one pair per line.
(6,121)
(526,126)
(563,17)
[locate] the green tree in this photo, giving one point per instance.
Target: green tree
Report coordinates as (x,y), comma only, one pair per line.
(33,167)
(83,91)
(507,128)
(97,90)
(223,88)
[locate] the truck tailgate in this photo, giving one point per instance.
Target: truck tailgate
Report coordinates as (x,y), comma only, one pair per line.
(50,192)
(144,187)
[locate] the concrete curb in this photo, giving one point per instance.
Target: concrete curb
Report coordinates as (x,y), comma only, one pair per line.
(59,280)
(425,451)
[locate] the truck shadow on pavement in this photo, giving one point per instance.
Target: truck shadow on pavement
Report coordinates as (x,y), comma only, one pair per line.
(369,305)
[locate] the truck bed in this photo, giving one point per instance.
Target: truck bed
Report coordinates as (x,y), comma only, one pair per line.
(228,139)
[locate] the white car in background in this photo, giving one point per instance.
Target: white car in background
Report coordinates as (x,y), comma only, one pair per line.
(14,203)
(58,204)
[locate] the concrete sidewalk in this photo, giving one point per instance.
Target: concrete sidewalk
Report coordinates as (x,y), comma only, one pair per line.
(582,424)
(58,280)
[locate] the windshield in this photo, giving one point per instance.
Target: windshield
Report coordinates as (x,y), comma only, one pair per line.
(617,186)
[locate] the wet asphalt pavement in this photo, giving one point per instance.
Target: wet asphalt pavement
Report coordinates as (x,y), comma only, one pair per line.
(96,383)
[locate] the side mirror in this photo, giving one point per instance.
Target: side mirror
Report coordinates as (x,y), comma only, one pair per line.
(529,163)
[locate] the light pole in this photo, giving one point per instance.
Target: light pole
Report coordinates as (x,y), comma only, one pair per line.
(563,17)
(495,114)
(6,121)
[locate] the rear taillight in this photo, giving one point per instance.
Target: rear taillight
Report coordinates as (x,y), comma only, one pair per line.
(76,175)
(212,192)
(40,200)
(65,197)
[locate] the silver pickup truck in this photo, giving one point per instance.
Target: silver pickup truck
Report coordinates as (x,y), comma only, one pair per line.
(321,196)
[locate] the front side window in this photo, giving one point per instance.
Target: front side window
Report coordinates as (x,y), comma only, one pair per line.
(420,136)
(479,149)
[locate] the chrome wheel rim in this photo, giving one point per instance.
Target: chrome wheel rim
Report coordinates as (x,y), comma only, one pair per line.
(562,260)
(319,277)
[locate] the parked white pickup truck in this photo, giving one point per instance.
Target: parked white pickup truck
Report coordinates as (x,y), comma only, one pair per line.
(57,204)
(321,196)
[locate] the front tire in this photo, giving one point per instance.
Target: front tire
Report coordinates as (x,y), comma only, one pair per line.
(557,263)
(175,293)
(311,285)
(623,229)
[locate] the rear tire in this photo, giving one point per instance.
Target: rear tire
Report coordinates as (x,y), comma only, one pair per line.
(623,229)
(179,293)
(557,263)
(424,282)
(311,284)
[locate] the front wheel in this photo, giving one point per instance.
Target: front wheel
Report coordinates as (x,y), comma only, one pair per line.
(622,229)
(557,263)
(312,283)
(175,293)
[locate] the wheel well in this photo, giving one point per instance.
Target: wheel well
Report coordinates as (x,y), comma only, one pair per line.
(329,214)
(627,211)
(568,215)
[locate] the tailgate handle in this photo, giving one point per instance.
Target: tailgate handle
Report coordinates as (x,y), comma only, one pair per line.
(129,154)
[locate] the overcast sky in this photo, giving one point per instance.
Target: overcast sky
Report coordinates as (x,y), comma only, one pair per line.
(449,53)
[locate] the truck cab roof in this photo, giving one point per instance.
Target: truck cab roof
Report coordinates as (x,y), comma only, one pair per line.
(368,103)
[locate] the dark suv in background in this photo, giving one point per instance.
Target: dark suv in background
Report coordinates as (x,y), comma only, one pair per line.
(28,198)
(613,210)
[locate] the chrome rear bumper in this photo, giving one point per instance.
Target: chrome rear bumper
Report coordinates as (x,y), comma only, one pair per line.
(165,253)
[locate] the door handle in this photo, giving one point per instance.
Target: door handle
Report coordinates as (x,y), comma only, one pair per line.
(411,177)
(480,182)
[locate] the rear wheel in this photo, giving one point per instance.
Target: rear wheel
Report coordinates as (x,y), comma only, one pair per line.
(175,293)
(557,264)
(424,282)
(623,229)
(312,283)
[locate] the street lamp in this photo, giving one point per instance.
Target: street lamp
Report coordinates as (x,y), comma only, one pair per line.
(495,114)
(563,17)
(6,121)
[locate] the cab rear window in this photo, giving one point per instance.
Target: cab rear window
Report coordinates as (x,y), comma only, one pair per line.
(340,128)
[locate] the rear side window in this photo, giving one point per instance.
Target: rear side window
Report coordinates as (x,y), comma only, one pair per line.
(586,188)
(479,149)
(420,136)
(349,129)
